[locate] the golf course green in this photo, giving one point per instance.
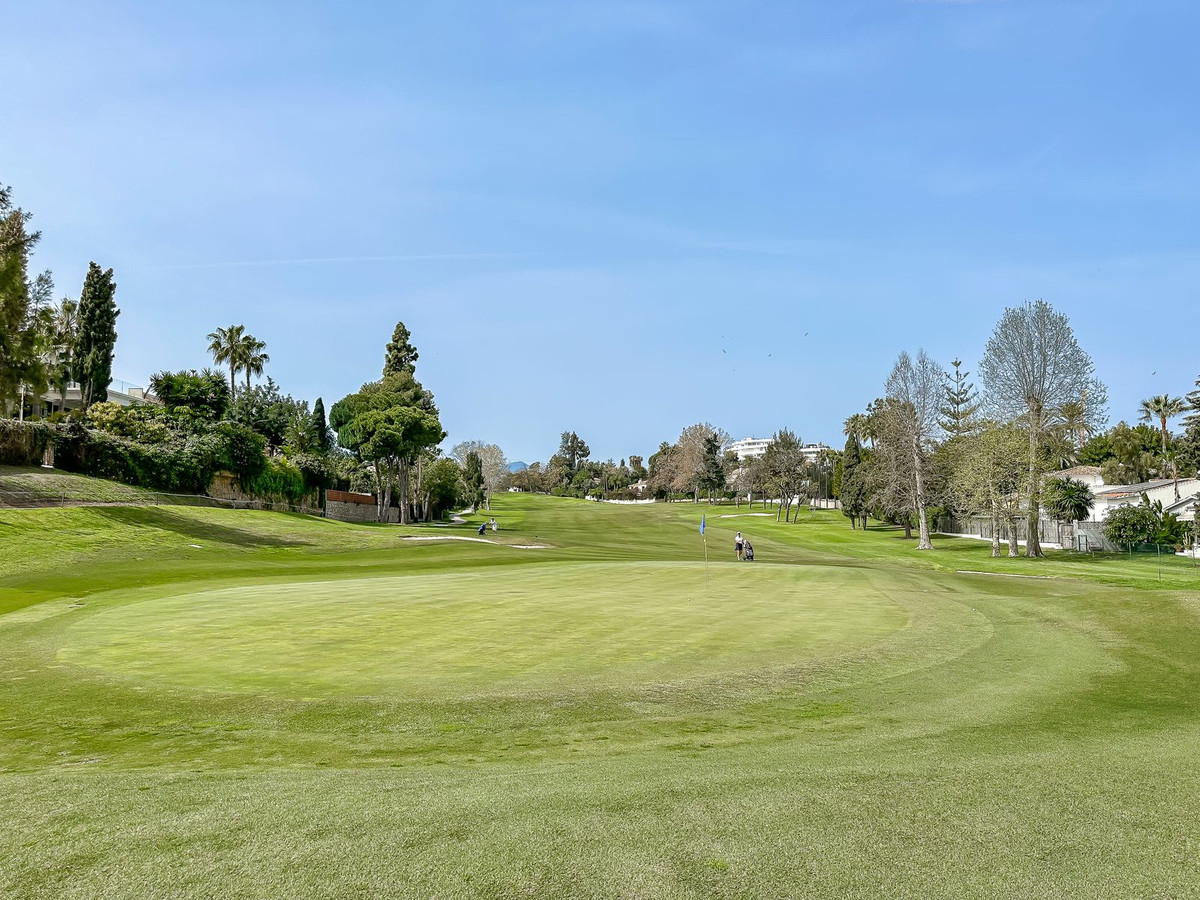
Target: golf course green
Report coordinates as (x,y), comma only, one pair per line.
(203,703)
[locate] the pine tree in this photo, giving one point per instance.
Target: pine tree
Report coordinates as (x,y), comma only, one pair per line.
(97,335)
(961,403)
(401,355)
(1192,421)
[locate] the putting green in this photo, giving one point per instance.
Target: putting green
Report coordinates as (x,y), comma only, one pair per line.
(540,628)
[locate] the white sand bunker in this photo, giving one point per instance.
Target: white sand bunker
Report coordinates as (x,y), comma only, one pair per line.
(743,515)
(476,540)
(1002,574)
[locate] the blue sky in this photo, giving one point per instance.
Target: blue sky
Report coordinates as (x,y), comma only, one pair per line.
(618,217)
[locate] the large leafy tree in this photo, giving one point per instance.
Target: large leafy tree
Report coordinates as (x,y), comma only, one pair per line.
(440,486)
(387,424)
(1032,366)
(988,478)
(225,345)
(693,454)
(785,468)
(97,335)
(269,412)
(574,450)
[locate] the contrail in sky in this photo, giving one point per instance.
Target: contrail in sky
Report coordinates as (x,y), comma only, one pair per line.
(411,257)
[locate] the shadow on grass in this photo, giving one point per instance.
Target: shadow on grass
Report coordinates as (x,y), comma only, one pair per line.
(164,519)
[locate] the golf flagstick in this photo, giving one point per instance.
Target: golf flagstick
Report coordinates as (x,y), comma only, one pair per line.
(705,537)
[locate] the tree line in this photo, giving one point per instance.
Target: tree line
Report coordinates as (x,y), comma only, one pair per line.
(935,444)
(698,465)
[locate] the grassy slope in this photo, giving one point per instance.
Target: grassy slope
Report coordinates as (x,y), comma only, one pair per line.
(52,484)
(1015,737)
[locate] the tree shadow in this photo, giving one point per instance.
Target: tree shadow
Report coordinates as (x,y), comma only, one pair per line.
(159,518)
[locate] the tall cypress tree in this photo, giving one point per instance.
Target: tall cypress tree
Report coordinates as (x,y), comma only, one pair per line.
(961,403)
(21,299)
(318,427)
(853,493)
(401,355)
(97,335)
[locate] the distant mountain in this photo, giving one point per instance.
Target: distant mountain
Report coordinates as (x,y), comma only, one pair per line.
(517,466)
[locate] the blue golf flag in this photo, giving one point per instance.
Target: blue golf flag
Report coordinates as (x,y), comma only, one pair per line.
(702,524)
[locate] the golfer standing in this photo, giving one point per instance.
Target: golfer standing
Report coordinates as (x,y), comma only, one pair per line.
(737,544)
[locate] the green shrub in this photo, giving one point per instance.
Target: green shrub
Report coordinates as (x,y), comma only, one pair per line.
(278,479)
(241,451)
(1128,525)
(24,443)
(317,470)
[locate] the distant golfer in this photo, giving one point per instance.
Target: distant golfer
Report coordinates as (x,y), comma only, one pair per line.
(495,526)
(738,544)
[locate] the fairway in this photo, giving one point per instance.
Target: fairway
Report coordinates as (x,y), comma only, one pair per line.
(198,703)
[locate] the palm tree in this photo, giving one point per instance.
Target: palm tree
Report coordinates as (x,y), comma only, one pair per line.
(252,356)
(66,337)
(1162,407)
(1068,500)
(855,426)
(1073,423)
(225,346)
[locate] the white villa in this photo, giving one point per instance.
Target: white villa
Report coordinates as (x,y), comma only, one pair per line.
(120,392)
(1110,496)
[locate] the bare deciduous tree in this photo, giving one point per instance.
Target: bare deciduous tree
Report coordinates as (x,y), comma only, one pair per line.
(495,466)
(690,456)
(910,420)
(1031,369)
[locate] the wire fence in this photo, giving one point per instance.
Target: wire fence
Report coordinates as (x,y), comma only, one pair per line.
(10,499)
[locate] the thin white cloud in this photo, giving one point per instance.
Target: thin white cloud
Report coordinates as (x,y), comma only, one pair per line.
(317,260)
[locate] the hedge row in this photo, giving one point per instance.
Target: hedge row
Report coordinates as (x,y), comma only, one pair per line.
(185,463)
(24,443)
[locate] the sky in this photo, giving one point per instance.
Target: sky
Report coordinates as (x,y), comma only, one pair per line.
(618,218)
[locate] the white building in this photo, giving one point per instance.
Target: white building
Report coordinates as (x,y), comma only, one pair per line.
(812,452)
(750,448)
(753,448)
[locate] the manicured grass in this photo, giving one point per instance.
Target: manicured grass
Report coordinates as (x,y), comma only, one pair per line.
(200,703)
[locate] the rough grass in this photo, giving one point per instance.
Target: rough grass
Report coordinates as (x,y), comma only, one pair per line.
(33,483)
(200,703)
